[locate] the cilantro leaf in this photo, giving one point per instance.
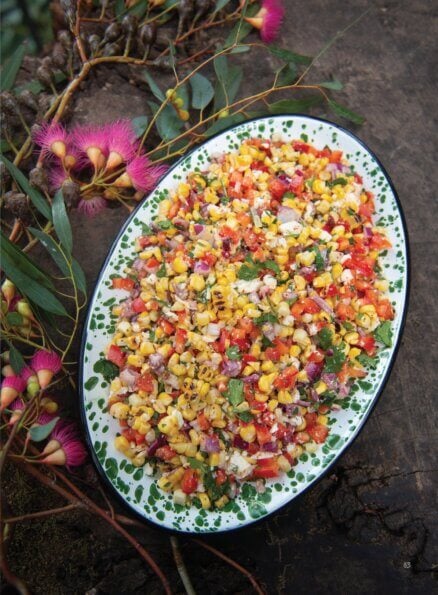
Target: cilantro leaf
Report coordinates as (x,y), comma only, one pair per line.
(319,260)
(162,271)
(325,338)
(235,392)
(272,265)
(266,317)
(266,342)
(108,370)
(248,273)
(233,353)
(337,182)
(245,416)
(383,333)
(165,224)
(367,360)
(333,363)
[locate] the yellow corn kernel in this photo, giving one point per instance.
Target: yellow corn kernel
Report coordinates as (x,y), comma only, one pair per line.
(301,337)
(135,360)
(354,353)
(165,398)
(320,387)
(302,376)
(146,348)
(218,423)
(284,397)
(119,410)
(294,350)
(337,271)
(323,207)
(351,338)
(204,499)
(272,404)
(322,419)
(266,381)
(183,190)
(306,258)
(121,443)
(256,350)
(381,285)
(197,282)
(323,280)
(214,459)
(178,265)
(202,318)
(318,187)
(261,398)
(178,369)
(311,447)
(303,159)
(167,425)
(368,309)
(364,320)
(222,501)
(194,437)
(189,414)
(302,426)
(268,366)
(248,433)
(284,464)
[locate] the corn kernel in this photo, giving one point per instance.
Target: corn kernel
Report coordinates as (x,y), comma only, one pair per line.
(354,353)
(272,404)
(248,433)
(268,366)
(322,419)
(320,387)
(204,499)
(214,459)
(119,410)
(178,265)
(266,381)
(318,186)
(351,338)
(121,443)
(197,282)
(284,397)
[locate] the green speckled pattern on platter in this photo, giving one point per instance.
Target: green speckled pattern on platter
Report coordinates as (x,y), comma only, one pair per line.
(139,491)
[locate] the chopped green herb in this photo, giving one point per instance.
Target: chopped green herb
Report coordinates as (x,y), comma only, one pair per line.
(366,360)
(325,338)
(266,317)
(288,195)
(248,273)
(162,271)
(165,224)
(245,416)
(233,353)
(383,333)
(319,260)
(337,182)
(334,363)
(266,342)
(235,392)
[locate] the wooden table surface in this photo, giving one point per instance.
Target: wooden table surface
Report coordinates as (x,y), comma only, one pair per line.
(371,525)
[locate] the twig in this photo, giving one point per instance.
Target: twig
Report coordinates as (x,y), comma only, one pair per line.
(41,514)
(231,562)
(181,567)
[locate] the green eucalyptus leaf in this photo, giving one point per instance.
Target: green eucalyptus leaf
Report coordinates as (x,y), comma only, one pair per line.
(36,87)
(223,123)
(31,288)
(61,222)
(286,75)
(60,259)
(334,85)
(156,91)
(240,30)
(228,83)
(294,105)
(168,124)
(139,124)
(39,433)
(202,91)
(288,56)
(14,319)
(10,70)
(22,262)
(346,113)
(240,49)
(16,359)
(35,196)
(220,4)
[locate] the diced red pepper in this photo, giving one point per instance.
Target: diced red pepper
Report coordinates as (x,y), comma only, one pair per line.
(180,340)
(167,327)
(286,378)
(138,305)
(221,477)
(203,422)
(263,434)
(123,283)
(266,468)
(165,452)
(277,188)
(189,482)
(146,382)
(318,433)
(116,356)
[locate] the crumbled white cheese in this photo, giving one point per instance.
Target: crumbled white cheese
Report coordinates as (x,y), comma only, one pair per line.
(247,286)
(290,228)
(270,281)
(346,276)
(239,465)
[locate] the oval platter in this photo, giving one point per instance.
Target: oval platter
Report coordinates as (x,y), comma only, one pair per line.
(140,492)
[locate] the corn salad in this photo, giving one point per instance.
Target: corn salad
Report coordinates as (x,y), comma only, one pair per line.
(254,300)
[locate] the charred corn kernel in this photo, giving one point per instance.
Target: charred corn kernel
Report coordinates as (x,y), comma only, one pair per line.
(248,433)
(197,282)
(318,186)
(266,381)
(222,501)
(354,353)
(272,404)
(268,366)
(300,282)
(204,500)
(320,387)
(284,464)
(119,410)
(183,190)
(121,443)
(178,265)
(284,397)
(194,437)
(351,338)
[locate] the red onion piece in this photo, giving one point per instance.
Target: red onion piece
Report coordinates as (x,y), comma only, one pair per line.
(231,368)
(344,391)
(156,444)
(270,447)
(198,228)
(156,362)
(238,442)
(286,214)
(330,380)
(211,444)
(312,370)
(201,267)
(128,377)
(368,232)
(251,378)
(322,304)
(303,403)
